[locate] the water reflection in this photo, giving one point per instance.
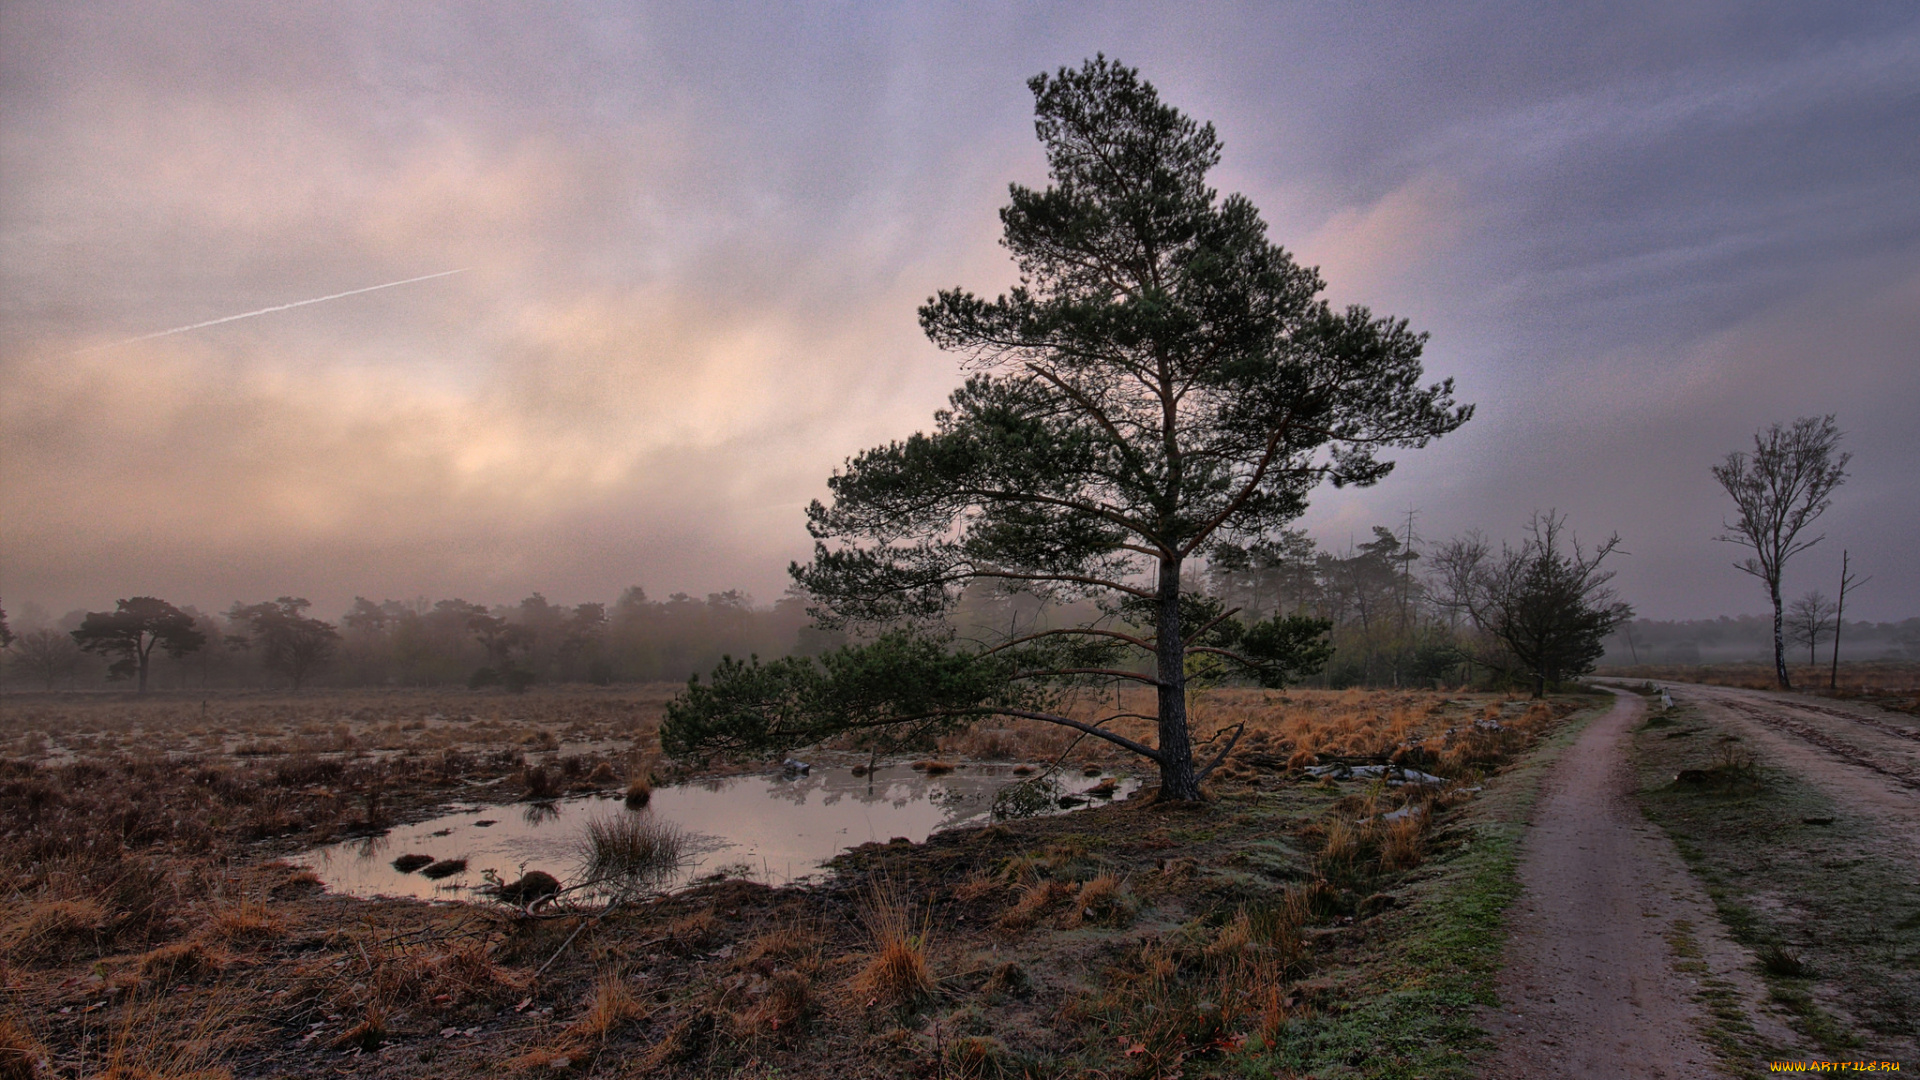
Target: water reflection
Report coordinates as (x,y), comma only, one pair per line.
(775,828)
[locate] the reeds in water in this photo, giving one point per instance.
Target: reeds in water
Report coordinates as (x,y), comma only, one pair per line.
(633,848)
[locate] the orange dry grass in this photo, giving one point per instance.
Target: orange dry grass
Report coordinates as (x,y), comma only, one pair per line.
(1101,900)
(1856,676)
(613,1007)
(1403,844)
(784,1005)
(149,1042)
(20,1053)
(1036,897)
(246,921)
(785,944)
(43,928)
(897,975)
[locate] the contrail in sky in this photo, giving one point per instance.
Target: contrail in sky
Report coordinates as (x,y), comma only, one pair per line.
(271,310)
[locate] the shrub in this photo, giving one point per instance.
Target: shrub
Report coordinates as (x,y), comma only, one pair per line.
(1782,962)
(1025,799)
(542,783)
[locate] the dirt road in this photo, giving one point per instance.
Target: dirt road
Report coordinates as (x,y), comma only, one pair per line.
(1864,758)
(1590,987)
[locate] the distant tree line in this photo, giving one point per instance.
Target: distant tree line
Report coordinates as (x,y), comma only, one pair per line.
(1385,613)
(1749,638)
(148,642)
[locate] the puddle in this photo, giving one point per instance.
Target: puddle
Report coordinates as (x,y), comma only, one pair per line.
(773,829)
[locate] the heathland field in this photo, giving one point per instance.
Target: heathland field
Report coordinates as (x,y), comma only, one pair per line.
(151,927)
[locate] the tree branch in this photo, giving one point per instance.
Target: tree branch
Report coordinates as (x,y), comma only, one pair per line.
(1114,672)
(1079,579)
(1222,755)
(1089,631)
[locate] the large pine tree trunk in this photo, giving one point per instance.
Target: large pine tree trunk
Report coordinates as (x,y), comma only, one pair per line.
(1177,779)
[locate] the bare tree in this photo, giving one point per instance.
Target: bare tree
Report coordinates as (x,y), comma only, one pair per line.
(47,654)
(1546,608)
(1810,622)
(1847,584)
(1777,492)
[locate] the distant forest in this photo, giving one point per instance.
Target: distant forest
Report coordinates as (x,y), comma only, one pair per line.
(426,642)
(1390,625)
(1749,639)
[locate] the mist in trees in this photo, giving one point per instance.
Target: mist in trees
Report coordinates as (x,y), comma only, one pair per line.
(290,643)
(1810,621)
(133,630)
(283,643)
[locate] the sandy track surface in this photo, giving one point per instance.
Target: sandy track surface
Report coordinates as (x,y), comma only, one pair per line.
(1590,988)
(1865,758)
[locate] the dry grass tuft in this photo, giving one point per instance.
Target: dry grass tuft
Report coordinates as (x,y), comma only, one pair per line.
(1007,980)
(467,972)
(783,1007)
(639,792)
(897,976)
(21,1055)
(977,884)
(368,1034)
(43,929)
(693,931)
(612,1008)
(1102,901)
(1339,852)
(541,782)
(784,945)
(551,1058)
(1037,897)
(1403,843)
(247,922)
(181,961)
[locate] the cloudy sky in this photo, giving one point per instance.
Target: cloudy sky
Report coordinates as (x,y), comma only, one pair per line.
(692,239)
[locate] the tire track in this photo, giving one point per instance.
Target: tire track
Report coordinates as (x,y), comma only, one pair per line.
(1865,721)
(1806,733)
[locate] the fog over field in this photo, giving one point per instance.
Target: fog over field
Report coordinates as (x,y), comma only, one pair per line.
(692,239)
